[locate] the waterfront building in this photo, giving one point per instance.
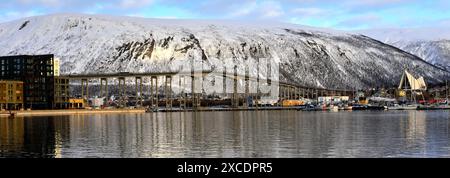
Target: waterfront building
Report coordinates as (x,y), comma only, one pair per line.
(37,74)
(75,103)
(290,103)
(97,102)
(330,99)
(61,93)
(11,95)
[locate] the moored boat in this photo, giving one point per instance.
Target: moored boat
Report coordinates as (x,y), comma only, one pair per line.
(358,107)
(375,108)
(334,108)
(433,107)
(403,107)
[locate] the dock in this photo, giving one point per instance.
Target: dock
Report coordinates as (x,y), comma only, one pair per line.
(139,110)
(213,109)
(69,112)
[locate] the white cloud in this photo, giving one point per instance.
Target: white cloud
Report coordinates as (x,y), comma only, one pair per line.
(158,17)
(271,9)
(444,22)
(50,3)
(373,2)
(245,9)
(309,11)
(134,3)
(12,15)
(256,9)
(361,21)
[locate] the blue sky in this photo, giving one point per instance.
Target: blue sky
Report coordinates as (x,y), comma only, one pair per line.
(337,14)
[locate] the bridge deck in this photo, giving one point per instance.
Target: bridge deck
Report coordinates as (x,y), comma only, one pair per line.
(195,74)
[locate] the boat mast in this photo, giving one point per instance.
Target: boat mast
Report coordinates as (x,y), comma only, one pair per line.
(413,93)
(405,77)
(446,88)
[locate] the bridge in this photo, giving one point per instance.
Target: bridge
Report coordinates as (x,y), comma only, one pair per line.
(287,90)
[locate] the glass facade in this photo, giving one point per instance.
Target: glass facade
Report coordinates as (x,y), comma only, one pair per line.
(37,74)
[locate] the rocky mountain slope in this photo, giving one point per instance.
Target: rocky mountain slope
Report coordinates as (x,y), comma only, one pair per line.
(430,44)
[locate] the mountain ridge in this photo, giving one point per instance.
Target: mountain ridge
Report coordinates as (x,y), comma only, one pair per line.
(430,44)
(307,56)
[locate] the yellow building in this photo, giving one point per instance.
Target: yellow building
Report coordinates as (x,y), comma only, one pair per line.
(363,101)
(11,95)
(56,67)
(401,93)
(290,103)
(75,103)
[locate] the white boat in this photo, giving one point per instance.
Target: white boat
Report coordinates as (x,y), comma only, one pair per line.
(334,108)
(403,107)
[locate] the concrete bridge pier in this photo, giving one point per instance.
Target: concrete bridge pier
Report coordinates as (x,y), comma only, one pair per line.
(104,88)
(122,91)
(224,83)
(308,93)
(154,92)
(139,87)
(288,92)
(168,92)
(280,92)
(247,91)
(85,89)
(182,99)
(293,93)
(315,94)
(303,92)
(196,100)
(285,92)
(235,99)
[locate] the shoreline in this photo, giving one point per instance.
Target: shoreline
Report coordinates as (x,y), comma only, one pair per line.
(69,112)
(142,110)
(116,111)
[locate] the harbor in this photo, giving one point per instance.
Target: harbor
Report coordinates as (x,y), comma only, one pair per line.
(171,114)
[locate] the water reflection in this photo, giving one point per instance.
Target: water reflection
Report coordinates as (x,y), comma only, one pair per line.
(230,134)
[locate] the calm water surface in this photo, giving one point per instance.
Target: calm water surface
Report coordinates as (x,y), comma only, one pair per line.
(230,134)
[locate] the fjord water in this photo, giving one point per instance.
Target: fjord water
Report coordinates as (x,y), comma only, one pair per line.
(230,134)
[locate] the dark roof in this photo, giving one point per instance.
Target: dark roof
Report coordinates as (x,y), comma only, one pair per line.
(28,56)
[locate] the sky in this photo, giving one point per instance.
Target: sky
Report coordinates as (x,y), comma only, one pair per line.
(336,14)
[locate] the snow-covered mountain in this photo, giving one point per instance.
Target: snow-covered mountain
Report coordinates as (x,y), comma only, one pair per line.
(430,44)
(307,56)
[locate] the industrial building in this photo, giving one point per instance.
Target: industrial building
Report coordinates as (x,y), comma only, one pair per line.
(37,72)
(75,103)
